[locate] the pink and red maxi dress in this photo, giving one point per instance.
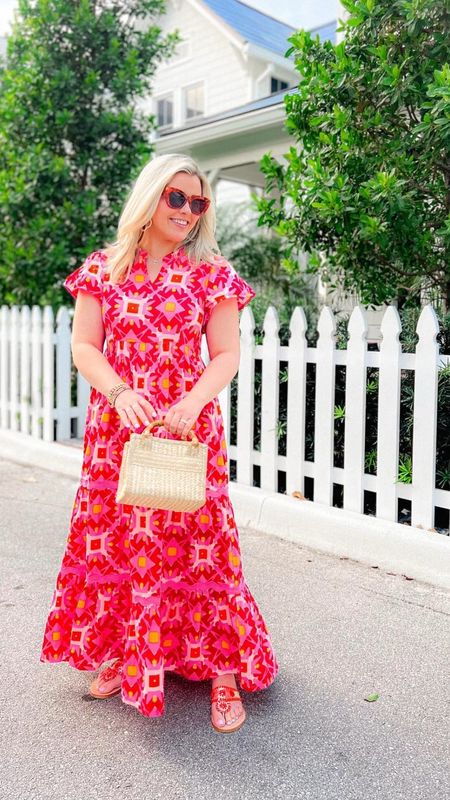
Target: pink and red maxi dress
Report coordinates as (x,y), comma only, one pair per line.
(161,590)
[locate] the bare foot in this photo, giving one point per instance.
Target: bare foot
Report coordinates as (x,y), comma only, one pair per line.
(108,681)
(226,713)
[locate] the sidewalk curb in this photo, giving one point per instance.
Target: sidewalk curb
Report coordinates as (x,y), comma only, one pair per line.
(404,549)
(55,456)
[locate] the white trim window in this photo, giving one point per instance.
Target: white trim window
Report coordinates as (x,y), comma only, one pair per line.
(164,111)
(276,85)
(194,100)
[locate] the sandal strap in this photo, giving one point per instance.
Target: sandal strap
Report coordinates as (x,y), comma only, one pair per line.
(224,693)
(111,672)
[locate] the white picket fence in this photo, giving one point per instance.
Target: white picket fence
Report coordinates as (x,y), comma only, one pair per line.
(35,399)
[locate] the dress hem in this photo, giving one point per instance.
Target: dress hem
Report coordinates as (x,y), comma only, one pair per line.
(177,669)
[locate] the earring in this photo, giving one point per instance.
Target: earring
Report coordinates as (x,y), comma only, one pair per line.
(144,229)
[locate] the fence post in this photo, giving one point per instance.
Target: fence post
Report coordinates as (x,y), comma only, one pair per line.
(355,411)
(324,421)
(246,400)
(36,372)
(388,429)
(14,369)
(63,374)
(296,402)
(48,375)
(269,401)
(25,377)
(425,419)
(5,327)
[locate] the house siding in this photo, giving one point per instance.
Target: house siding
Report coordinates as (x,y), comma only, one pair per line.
(213,61)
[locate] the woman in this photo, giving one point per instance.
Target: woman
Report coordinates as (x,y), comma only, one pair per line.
(157,590)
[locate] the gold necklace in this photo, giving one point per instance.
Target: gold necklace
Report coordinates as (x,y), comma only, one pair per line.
(157,263)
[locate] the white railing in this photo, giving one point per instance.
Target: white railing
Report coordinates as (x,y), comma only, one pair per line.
(37,379)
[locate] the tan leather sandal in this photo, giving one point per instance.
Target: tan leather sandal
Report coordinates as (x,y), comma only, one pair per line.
(221,698)
(108,681)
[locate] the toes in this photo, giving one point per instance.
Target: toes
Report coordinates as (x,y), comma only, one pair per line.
(218,719)
(234,716)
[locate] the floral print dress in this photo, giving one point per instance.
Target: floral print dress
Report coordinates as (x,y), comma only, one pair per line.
(161,590)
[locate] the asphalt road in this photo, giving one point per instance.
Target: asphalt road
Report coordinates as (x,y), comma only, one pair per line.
(341,630)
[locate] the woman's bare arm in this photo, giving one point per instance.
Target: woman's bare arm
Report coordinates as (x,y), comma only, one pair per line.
(88,336)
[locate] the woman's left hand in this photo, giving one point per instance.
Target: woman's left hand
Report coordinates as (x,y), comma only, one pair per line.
(182,416)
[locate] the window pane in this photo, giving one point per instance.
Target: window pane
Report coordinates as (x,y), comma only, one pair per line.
(194,101)
(165,112)
(276,85)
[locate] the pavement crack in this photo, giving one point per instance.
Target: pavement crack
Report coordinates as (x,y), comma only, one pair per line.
(404,600)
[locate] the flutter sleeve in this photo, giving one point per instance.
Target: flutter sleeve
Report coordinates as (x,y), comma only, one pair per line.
(223,282)
(87,277)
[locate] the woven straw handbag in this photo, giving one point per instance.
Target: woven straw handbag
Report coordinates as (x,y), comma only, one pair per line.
(163,473)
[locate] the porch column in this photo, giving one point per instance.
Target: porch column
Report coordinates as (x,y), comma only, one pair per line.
(213,177)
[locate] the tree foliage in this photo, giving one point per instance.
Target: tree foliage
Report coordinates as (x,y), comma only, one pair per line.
(257,256)
(366,189)
(71,137)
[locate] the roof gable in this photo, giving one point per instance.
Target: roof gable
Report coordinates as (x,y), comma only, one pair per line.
(253,25)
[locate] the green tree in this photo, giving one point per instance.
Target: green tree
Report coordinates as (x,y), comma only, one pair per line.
(71,138)
(257,256)
(366,191)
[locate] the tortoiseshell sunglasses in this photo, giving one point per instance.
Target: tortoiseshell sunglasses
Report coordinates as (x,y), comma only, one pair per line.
(175,198)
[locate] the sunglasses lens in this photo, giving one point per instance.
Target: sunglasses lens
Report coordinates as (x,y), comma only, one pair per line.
(198,206)
(177,199)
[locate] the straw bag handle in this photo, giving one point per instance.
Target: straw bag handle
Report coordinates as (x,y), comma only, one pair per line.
(156,422)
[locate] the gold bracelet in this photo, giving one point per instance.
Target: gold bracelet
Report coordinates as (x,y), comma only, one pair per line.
(115,391)
(119,391)
(112,391)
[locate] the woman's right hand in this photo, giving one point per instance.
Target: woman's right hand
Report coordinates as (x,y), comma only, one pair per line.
(133,409)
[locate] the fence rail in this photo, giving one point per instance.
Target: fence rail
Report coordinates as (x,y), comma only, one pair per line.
(42,395)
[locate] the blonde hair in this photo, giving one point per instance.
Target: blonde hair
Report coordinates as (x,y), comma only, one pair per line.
(200,243)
